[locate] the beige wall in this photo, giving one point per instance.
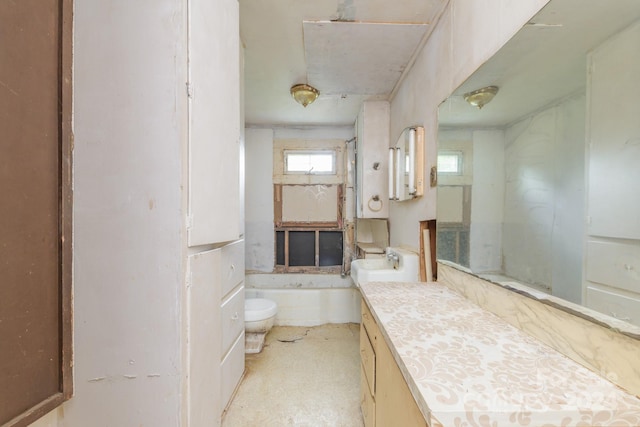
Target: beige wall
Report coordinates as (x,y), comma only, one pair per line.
(468,33)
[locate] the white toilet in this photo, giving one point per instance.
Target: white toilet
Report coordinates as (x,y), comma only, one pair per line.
(259,315)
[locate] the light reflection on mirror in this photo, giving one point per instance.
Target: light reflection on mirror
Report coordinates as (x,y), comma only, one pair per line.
(529,203)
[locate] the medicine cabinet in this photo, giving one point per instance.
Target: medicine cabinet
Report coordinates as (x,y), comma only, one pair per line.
(406,165)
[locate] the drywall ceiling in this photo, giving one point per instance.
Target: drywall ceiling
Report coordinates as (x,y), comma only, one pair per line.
(350,50)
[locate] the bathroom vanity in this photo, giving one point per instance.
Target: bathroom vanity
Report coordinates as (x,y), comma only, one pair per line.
(385,398)
(432,357)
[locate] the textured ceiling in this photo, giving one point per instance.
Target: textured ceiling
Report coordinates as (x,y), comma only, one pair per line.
(274,37)
(358,58)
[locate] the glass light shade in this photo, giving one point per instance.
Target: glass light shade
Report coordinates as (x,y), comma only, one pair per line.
(304,94)
(479,98)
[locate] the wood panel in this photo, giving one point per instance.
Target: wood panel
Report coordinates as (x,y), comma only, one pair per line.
(395,405)
(35,184)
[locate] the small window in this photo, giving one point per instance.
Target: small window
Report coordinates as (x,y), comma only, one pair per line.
(322,249)
(316,162)
(450,162)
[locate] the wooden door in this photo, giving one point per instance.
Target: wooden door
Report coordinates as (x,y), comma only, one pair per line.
(35,220)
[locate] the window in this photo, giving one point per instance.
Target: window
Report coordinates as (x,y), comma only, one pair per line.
(309,228)
(450,162)
(300,250)
(315,162)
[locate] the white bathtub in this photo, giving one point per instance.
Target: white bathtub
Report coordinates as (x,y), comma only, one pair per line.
(310,307)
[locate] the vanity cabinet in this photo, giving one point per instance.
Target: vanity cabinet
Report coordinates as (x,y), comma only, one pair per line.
(385,398)
(612,266)
(372,160)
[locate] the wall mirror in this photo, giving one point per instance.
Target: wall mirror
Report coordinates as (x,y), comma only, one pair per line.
(539,187)
(406,165)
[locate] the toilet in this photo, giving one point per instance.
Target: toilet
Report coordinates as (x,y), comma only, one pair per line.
(259,315)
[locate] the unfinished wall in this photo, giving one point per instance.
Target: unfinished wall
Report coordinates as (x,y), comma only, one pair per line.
(468,33)
(259,172)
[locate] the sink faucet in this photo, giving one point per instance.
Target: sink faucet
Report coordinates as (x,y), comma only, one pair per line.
(392,256)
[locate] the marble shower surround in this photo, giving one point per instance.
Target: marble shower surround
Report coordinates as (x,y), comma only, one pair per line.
(466,366)
(607,347)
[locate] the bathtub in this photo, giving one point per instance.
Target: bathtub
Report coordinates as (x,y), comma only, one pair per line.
(312,306)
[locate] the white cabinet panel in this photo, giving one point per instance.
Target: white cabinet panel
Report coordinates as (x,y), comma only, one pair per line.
(614,264)
(232,270)
(204,336)
(232,368)
(232,318)
(620,306)
(372,132)
(214,122)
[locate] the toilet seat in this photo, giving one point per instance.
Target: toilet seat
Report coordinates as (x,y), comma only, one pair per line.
(256,309)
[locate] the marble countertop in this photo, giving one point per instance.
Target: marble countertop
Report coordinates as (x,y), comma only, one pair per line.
(467,367)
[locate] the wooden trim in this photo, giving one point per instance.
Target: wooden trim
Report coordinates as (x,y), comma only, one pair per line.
(341,204)
(307,229)
(38,411)
(333,269)
(300,226)
(286,248)
(317,249)
(316,227)
(66,198)
(277,204)
(431,226)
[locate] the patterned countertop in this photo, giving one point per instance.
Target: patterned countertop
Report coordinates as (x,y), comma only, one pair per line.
(467,367)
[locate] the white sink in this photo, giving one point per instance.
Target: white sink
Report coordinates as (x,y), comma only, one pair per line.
(386,269)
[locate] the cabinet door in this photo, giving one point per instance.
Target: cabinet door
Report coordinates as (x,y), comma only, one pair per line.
(214,122)
(204,340)
(395,405)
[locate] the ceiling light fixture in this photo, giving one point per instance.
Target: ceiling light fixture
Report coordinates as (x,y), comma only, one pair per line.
(479,98)
(304,94)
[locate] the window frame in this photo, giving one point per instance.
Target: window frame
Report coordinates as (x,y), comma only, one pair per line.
(460,157)
(286,268)
(332,152)
(317,227)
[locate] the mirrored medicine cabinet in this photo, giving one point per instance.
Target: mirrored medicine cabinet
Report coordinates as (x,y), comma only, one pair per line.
(406,165)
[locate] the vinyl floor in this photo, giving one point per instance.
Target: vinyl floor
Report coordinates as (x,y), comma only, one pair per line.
(304,377)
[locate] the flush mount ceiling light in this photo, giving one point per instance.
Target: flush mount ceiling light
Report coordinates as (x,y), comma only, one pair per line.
(479,98)
(304,94)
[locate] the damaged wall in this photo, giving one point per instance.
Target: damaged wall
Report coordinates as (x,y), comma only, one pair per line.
(262,145)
